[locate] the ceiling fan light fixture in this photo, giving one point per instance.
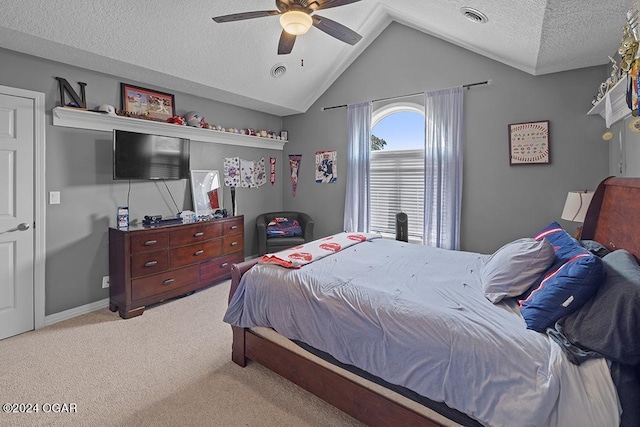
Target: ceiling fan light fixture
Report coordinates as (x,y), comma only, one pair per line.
(295,22)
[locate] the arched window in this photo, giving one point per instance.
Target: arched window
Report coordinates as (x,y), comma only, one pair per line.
(397,168)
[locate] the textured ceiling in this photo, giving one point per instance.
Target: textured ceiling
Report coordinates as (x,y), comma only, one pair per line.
(175,44)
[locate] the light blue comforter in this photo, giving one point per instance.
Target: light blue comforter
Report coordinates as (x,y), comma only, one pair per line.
(415,316)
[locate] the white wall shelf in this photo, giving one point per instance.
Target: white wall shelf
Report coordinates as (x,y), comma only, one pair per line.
(618,96)
(91,120)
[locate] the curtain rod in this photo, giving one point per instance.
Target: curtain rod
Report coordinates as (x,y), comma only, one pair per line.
(467,86)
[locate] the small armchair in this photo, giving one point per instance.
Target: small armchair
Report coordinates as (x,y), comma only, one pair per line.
(275,244)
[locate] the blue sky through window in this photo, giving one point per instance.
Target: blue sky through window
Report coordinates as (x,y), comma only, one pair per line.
(403,130)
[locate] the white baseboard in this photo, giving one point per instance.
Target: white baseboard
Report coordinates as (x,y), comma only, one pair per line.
(77,311)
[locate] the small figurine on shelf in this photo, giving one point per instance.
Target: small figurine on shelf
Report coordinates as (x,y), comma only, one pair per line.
(628,49)
(613,78)
(176,120)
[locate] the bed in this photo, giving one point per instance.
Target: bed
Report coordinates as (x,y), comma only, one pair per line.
(502,373)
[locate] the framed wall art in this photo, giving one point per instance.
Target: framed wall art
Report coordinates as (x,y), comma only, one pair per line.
(529,143)
(138,101)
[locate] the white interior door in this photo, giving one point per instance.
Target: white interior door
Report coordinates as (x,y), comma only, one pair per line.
(16,215)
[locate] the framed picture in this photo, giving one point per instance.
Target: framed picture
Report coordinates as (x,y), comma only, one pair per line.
(138,101)
(529,143)
(206,190)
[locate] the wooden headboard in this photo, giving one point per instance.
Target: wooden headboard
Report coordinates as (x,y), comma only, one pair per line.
(613,218)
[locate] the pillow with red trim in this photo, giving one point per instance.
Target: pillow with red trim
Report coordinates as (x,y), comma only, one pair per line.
(573,278)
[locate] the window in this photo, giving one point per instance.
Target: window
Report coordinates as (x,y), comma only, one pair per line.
(397,168)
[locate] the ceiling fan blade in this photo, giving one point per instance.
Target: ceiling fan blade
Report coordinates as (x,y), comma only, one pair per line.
(326,4)
(286,43)
(245,15)
(336,30)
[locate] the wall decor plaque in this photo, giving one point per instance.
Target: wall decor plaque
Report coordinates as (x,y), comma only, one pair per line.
(529,143)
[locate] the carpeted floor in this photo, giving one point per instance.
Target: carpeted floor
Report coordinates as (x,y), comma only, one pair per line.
(169,367)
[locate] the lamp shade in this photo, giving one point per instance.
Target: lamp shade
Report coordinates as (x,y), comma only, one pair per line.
(575,208)
(295,22)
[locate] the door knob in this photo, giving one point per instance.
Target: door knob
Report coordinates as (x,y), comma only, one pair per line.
(22,227)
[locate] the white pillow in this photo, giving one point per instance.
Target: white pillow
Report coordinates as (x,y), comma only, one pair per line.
(513,268)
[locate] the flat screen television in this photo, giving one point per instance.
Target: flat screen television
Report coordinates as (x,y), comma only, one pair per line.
(144,156)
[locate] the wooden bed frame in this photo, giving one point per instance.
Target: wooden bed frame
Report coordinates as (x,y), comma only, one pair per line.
(613,219)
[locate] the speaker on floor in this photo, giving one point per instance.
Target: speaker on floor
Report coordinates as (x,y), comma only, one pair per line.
(402,231)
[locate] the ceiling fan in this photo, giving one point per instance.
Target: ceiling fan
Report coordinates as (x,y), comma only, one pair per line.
(296,19)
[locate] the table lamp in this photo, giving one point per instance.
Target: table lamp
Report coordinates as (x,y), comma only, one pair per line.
(575,208)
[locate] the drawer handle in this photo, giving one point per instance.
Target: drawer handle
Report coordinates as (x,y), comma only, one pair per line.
(234,227)
(150,242)
(200,252)
(234,243)
(224,264)
(168,281)
(150,263)
(198,234)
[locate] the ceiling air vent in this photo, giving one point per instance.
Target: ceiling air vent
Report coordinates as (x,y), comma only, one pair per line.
(474,15)
(278,70)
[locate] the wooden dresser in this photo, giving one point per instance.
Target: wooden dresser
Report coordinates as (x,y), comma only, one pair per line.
(150,264)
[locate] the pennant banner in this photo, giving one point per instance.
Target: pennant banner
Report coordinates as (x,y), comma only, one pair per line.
(272,170)
(294,166)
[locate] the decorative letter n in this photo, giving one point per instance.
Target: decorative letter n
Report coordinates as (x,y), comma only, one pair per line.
(78,101)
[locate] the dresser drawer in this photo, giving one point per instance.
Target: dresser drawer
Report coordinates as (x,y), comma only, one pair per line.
(149,242)
(195,233)
(190,254)
(233,226)
(163,282)
(146,263)
(219,268)
(233,243)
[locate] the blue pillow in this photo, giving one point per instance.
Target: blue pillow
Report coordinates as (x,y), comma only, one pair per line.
(571,280)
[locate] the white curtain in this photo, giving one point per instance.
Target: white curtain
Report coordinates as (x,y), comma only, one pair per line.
(443,167)
(357,207)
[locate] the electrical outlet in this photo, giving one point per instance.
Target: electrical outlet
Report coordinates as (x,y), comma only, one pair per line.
(105,281)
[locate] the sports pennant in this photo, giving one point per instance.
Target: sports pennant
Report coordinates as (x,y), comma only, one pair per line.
(272,170)
(294,166)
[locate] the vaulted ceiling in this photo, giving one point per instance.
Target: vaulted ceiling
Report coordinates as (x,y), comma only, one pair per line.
(176,45)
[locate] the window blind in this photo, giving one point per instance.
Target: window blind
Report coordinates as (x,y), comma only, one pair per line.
(397,185)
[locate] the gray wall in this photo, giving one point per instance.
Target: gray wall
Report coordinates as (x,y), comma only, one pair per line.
(500,203)
(79,165)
